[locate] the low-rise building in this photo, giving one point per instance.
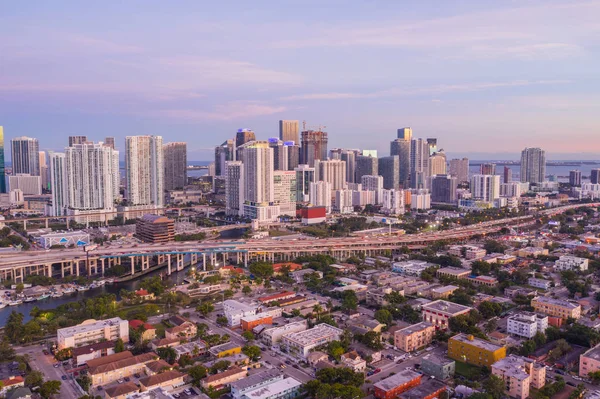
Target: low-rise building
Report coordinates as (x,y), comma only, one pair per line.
(280,296)
(443,292)
(92,331)
(234,311)
(567,262)
(300,343)
(414,337)
(224,378)
(82,354)
(164,343)
(155,229)
(526,324)
(183,328)
(556,307)
(476,351)
(391,387)
(148,330)
(192,349)
(488,281)
(170,378)
(430,389)
(108,369)
(353,361)
(411,267)
(438,366)
(539,283)
(286,388)
(63,238)
(226,349)
(589,362)
(121,391)
(519,374)
(300,275)
(249,322)
(468,251)
(272,336)
(439,312)
(255,381)
(453,272)
(377,296)
(12,382)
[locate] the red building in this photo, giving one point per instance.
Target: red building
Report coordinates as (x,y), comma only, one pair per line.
(277,297)
(249,322)
(391,387)
(313,214)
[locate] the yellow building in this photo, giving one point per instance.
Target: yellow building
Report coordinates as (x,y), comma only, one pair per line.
(476,351)
(224,350)
(556,307)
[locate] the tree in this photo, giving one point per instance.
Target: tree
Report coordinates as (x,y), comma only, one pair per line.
(34,379)
(494,386)
(168,354)
(246,290)
(317,309)
(349,301)
(20,287)
(50,388)
(384,316)
(119,346)
(490,326)
(205,308)
(221,365)
(461,297)
(14,327)
(248,335)
(6,350)
(252,351)
(263,270)
(197,373)
(493,246)
(153,285)
(489,309)
(480,268)
(85,382)
(222,320)
(335,349)
(228,294)
(341,375)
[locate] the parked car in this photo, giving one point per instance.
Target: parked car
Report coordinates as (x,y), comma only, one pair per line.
(64,377)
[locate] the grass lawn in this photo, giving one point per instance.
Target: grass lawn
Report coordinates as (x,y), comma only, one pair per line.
(469,371)
(280,233)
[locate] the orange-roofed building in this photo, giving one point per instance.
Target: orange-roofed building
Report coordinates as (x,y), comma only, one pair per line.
(293,266)
(249,322)
(277,297)
(10,383)
(144,294)
(149,330)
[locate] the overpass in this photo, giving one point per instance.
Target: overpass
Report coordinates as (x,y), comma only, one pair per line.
(77,262)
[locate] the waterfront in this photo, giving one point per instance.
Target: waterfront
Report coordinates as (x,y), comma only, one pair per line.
(560,171)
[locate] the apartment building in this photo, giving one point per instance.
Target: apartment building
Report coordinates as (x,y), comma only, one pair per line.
(240,387)
(249,322)
(391,387)
(287,388)
(589,362)
(556,307)
(453,272)
(438,366)
(300,343)
(443,292)
(539,283)
(519,375)
(439,312)
(526,324)
(234,311)
(567,262)
(476,351)
(224,378)
(171,378)
(92,331)
(108,369)
(414,337)
(352,360)
(272,336)
(469,251)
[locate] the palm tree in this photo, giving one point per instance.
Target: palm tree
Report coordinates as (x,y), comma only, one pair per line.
(318,309)
(329,306)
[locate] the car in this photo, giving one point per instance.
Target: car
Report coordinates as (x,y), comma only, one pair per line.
(376,371)
(46,352)
(64,377)
(282,366)
(288,362)
(56,365)
(136,375)
(99,387)
(571,383)
(560,372)
(127,379)
(176,395)
(295,366)
(120,381)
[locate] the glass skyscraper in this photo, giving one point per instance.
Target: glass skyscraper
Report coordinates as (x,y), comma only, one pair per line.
(2,172)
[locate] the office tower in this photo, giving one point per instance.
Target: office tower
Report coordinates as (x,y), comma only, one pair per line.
(234,188)
(259,194)
(405,134)
(77,140)
(366,166)
(332,171)
(389,168)
(110,142)
(507,175)
(244,136)
(459,168)
(533,165)
(25,156)
(419,163)
(594,173)
(349,156)
(211,169)
(175,165)
(401,148)
(420,199)
(2,170)
(293,154)
(437,163)
(320,194)
(485,187)
(90,177)
(284,188)
(336,153)
(392,202)
(432,144)
(58,183)
(443,188)
(144,170)
(575,178)
(304,176)
(487,169)
(343,201)
(512,189)
(280,154)
(373,183)
(43,169)
(29,185)
(289,131)
(223,153)
(369,153)
(313,146)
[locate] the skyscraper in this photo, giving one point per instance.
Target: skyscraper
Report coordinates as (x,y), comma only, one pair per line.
(485,187)
(332,171)
(223,153)
(373,183)
(304,176)
(366,166)
(443,188)
(575,178)
(437,163)
(234,188)
(144,170)
(594,173)
(405,134)
(25,156)
(175,165)
(432,144)
(401,148)
(487,169)
(320,194)
(77,140)
(284,191)
(533,165)
(313,146)
(280,154)
(459,168)
(43,169)
(110,142)
(244,136)
(419,163)
(389,168)
(349,156)
(258,191)
(58,183)
(507,176)
(293,154)
(289,131)
(2,171)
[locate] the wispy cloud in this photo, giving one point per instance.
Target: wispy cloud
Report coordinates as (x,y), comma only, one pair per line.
(439,89)
(225,112)
(103,46)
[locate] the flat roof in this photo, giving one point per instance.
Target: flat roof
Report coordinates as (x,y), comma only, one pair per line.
(317,332)
(558,302)
(256,379)
(437,359)
(457,271)
(593,353)
(415,327)
(513,366)
(241,306)
(444,289)
(274,389)
(90,325)
(445,306)
(478,342)
(396,380)
(224,347)
(424,390)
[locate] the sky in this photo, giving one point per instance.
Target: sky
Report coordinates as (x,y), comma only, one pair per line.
(487,78)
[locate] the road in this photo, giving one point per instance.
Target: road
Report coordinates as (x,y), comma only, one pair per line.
(45,364)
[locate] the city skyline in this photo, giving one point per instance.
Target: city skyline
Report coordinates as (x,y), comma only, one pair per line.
(511,78)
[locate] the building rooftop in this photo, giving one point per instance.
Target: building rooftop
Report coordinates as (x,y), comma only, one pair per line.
(593,353)
(513,366)
(255,317)
(239,306)
(457,271)
(227,373)
(415,327)
(314,334)
(223,347)
(437,359)
(274,389)
(396,380)
(445,306)
(189,347)
(119,364)
(274,297)
(121,389)
(108,359)
(425,390)
(442,290)
(557,302)
(161,378)
(83,350)
(255,379)
(478,342)
(155,219)
(89,325)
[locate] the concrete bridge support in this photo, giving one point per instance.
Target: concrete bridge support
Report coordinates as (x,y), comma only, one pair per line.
(180,262)
(168,264)
(203,261)
(132,259)
(145,260)
(193,259)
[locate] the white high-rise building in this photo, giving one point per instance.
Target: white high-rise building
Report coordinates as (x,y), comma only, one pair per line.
(25,156)
(332,171)
(43,169)
(512,189)
(393,202)
(304,176)
(343,201)
(284,186)
(58,183)
(533,165)
(420,199)
(29,185)
(144,170)
(419,163)
(234,188)
(485,187)
(259,194)
(90,177)
(437,164)
(373,183)
(320,194)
